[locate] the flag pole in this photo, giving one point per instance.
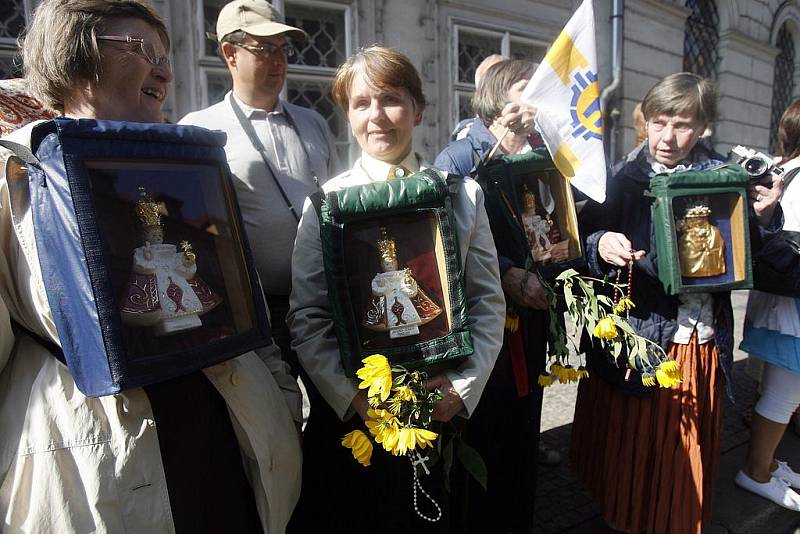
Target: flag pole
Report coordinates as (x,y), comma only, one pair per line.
(496,146)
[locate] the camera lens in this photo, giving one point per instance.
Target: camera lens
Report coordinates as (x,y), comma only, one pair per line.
(755,166)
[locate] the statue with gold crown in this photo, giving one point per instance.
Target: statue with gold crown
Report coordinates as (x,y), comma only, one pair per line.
(164,290)
(701,247)
(398,306)
(542,232)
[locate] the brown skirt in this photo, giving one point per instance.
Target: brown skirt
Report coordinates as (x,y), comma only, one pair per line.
(650,463)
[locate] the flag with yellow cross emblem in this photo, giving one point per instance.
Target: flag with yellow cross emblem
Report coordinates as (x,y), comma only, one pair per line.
(565,92)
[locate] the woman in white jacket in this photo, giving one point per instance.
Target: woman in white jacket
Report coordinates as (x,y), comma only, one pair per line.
(214,451)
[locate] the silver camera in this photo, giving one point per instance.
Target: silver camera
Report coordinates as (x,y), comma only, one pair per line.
(757,164)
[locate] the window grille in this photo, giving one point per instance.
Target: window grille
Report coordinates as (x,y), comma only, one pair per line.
(316,94)
(211,9)
(326,46)
(472,49)
(12,18)
(701,37)
(473,45)
(783,85)
(12,22)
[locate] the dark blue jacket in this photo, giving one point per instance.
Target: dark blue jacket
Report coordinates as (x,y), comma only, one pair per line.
(461,156)
(627,211)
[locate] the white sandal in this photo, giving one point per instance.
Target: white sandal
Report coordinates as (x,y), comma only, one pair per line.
(776,490)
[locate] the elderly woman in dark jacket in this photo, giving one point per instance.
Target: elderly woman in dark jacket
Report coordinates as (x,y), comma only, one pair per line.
(649,457)
(505,414)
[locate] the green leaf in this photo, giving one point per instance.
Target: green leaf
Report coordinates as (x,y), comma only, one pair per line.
(569,273)
(569,298)
(472,462)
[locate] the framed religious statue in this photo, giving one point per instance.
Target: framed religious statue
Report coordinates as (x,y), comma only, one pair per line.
(533,209)
(392,265)
(141,241)
(701,230)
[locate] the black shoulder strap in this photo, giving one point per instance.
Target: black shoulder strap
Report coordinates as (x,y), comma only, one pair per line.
(259,146)
(51,347)
(21,151)
(789,176)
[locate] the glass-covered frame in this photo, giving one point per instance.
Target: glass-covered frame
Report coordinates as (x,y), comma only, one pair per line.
(531,208)
(393,266)
(701,221)
(159,230)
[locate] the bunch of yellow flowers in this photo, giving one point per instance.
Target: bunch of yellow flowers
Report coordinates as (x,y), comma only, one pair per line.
(401,408)
(605,321)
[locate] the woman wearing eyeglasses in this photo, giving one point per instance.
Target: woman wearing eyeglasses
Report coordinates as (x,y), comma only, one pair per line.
(213,451)
(649,456)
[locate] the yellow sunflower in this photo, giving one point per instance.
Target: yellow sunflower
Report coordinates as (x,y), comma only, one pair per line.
(605,329)
(376,374)
(360,445)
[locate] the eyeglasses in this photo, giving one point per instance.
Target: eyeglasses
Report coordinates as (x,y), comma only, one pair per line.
(140,47)
(267,50)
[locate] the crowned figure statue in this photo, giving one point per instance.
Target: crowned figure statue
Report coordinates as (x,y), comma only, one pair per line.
(399,306)
(164,290)
(542,233)
(701,247)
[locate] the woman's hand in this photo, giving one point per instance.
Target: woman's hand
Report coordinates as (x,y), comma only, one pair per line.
(526,293)
(360,404)
(617,249)
(451,403)
(519,119)
(764,196)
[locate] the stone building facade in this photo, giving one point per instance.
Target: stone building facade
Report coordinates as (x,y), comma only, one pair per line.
(737,42)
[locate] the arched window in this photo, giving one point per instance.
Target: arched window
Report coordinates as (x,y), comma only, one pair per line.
(783,85)
(701,37)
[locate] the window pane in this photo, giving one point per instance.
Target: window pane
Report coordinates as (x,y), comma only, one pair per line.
(211,9)
(701,37)
(464,105)
(472,49)
(317,96)
(783,86)
(326,46)
(523,50)
(12,18)
(217,85)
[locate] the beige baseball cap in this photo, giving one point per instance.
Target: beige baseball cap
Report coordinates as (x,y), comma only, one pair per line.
(256,17)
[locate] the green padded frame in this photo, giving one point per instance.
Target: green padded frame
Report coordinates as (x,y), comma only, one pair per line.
(665,188)
(498,180)
(427,190)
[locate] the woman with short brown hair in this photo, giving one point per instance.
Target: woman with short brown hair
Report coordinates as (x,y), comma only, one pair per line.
(380,91)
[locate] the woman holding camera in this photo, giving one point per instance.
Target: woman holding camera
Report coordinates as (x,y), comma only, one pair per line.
(772,334)
(649,455)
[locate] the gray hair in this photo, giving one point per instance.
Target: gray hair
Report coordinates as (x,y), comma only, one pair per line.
(682,93)
(492,94)
(59,47)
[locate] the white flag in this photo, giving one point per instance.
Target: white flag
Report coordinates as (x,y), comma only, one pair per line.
(565,92)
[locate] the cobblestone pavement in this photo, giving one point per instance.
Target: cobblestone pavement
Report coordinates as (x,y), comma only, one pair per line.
(562,504)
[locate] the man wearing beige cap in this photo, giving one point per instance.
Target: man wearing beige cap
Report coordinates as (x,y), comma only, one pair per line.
(278,153)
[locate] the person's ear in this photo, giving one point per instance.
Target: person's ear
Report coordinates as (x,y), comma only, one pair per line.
(417,115)
(228,51)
